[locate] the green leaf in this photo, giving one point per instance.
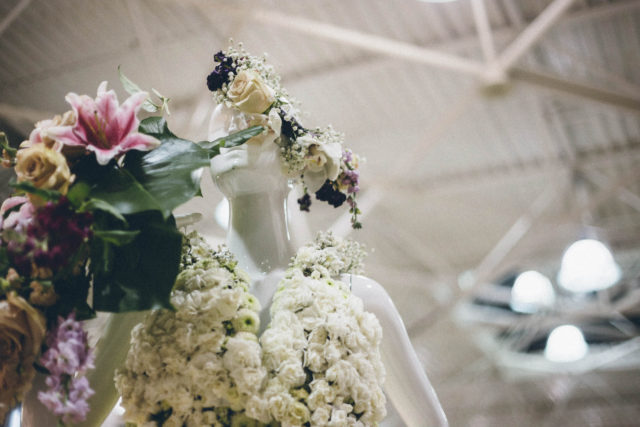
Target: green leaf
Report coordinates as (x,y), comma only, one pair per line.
(133,88)
(121,190)
(117,237)
(231,140)
(139,275)
(155,126)
(27,187)
(78,193)
(170,173)
(101,205)
(4,144)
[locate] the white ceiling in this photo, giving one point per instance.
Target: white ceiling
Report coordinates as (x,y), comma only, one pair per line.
(468,170)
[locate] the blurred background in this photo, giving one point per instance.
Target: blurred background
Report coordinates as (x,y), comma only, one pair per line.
(497,134)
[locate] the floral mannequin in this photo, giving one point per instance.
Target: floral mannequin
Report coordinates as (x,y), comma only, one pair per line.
(251,178)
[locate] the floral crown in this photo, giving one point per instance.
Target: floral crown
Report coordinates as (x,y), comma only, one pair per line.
(317,156)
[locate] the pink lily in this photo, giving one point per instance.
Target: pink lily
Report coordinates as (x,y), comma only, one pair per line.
(103,126)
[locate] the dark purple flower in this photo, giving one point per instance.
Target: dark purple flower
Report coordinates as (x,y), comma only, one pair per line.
(290,128)
(327,193)
(220,74)
(305,202)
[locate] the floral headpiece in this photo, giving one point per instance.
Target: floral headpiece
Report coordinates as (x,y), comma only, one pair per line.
(315,155)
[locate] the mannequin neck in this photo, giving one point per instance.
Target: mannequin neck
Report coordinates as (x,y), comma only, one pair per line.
(258,232)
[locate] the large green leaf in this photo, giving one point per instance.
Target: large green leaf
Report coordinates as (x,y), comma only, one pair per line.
(138,275)
(117,237)
(121,190)
(155,125)
(170,173)
(231,140)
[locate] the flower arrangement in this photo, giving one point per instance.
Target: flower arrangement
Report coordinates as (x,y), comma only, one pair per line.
(317,363)
(249,86)
(322,348)
(95,188)
(199,363)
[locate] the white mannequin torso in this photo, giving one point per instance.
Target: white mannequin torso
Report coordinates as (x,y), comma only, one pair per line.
(259,236)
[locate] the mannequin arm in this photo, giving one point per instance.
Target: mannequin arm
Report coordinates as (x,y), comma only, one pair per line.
(406,383)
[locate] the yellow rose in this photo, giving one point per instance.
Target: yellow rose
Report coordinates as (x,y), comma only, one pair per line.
(249,93)
(44,168)
(22,329)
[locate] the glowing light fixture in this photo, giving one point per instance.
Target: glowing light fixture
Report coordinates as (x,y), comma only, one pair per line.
(587,265)
(531,291)
(221,214)
(565,344)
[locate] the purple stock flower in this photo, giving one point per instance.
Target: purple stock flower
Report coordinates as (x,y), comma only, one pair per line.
(68,358)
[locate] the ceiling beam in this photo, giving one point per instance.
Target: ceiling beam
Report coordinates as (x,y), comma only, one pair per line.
(452,183)
(369,42)
(13,14)
(483,27)
(531,35)
(576,90)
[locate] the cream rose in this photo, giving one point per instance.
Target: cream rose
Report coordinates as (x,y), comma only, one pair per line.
(44,168)
(41,132)
(22,329)
(249,93)
(321,163)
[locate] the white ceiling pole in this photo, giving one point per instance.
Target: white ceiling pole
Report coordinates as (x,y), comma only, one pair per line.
(416,248)
(575,90)
(611,188)
(15,12)
(512,237)
(532,33)
(432,135)
(484,30)
(624,194)
(369,42)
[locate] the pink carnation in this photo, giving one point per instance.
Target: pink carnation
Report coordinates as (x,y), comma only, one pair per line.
(103,126)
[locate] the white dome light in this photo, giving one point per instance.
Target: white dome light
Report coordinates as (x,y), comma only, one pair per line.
(531,292)
(565,344)
(587,265)
(221,214)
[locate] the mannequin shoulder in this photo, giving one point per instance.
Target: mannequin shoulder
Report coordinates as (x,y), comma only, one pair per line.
(369,291)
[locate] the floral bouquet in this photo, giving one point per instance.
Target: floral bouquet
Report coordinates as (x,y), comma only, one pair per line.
(250,89)
(89,228)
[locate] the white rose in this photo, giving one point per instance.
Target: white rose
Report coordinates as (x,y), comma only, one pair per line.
(321,415)
(258,408)
(292,374)
(322,162)
(249,93)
